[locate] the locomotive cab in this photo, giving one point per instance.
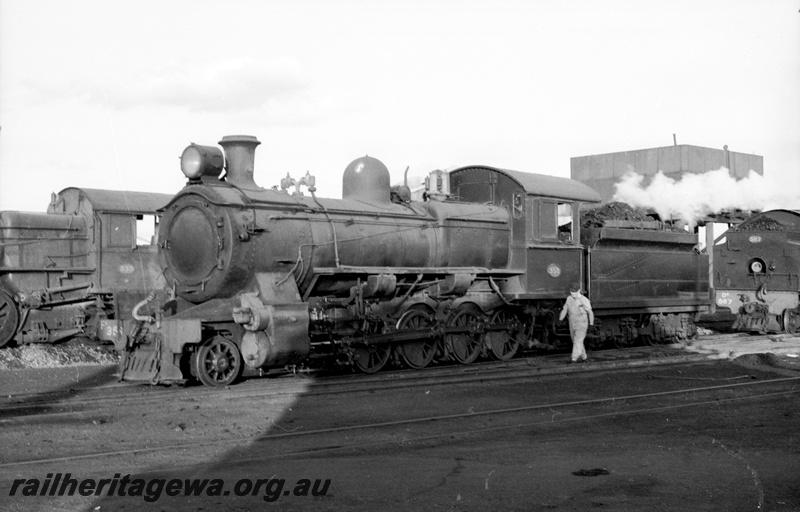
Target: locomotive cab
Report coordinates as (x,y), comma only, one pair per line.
(545,227)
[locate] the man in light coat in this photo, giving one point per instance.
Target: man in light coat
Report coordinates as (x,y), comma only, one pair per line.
(579,310)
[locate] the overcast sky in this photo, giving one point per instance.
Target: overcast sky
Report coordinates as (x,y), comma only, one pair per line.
(106,94)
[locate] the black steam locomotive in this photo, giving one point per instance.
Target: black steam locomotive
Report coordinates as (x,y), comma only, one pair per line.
(757,272)
(66,272)
(262,279)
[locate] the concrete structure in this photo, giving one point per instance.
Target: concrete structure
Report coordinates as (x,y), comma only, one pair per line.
(602,172)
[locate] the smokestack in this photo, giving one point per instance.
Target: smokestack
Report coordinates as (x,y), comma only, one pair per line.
(240,156)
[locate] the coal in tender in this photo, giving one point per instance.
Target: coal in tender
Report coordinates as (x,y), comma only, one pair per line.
(596,217)
(762,224)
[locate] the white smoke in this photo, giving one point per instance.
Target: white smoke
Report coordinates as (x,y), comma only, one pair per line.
(697,195)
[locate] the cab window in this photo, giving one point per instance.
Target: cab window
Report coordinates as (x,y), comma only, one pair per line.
(121,231)
(553,222)
(146,229)
(566,231)
(548,222)
(476,193)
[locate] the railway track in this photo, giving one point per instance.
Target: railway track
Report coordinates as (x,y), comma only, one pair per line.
(15,407)
(322,381)
(373,434)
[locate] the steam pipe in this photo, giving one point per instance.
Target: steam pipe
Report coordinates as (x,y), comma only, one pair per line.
(135,313)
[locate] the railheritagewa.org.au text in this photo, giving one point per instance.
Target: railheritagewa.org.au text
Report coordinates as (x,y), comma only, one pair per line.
(153,489)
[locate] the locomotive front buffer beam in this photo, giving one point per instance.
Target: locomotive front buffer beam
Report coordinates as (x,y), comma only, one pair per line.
(159,361)
(213,341)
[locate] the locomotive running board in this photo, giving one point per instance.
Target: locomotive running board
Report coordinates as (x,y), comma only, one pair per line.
(319,272)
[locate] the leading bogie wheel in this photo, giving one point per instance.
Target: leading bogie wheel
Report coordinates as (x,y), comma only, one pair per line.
(9,318)
(503,343)
(417,354)
(218,362)
(465,347)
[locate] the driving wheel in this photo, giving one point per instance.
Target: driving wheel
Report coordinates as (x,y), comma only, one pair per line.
(419,353)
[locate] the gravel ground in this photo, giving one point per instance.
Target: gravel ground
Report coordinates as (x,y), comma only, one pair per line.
(70,353)
(704,450)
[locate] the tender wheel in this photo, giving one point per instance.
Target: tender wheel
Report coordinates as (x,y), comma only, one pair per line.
(547,330)
(503,344)
(371,358)
(465,347)
(418,353)
(9,318)
(645,335)
(218,362)
(789,321)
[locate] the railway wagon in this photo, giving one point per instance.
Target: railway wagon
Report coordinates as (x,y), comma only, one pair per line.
(757,272)
(64,272)
(264,279)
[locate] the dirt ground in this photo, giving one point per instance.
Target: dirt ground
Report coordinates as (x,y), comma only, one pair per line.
(705,450)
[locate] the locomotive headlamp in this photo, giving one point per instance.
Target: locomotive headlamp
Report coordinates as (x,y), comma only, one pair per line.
(198,161)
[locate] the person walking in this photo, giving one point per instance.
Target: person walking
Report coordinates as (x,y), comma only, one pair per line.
(579,310)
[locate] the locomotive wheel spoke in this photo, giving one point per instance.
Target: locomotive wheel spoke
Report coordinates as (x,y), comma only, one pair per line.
(371,358)
(218,362)
(419,353)
(9,317)
(503,344)
(465,347)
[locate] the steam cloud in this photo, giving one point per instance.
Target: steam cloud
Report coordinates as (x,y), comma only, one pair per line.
(697,195)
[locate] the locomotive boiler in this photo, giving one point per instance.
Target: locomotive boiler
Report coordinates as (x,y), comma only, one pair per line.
(65,272)
(259,278)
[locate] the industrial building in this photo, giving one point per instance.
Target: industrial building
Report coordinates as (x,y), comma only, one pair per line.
(602,172)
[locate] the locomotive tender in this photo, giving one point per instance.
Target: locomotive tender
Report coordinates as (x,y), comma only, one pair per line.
(757,272)
(64,272)
(261,279)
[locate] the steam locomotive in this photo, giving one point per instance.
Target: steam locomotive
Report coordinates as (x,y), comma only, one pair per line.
(66,272)
(757,272)
(267,278)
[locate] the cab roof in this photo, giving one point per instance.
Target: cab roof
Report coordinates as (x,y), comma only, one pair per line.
(119,201)
(542,185)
